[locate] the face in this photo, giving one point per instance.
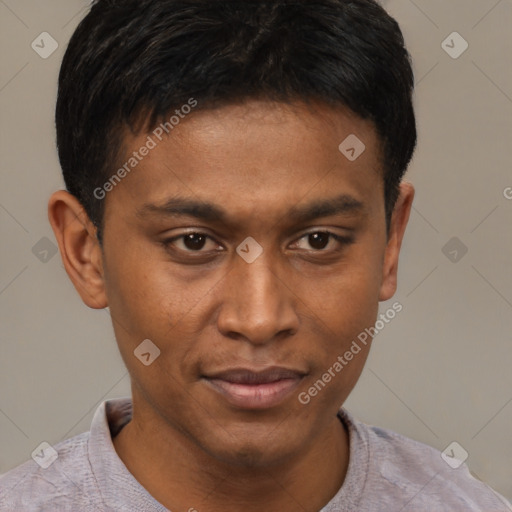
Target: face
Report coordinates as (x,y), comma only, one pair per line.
(252,253)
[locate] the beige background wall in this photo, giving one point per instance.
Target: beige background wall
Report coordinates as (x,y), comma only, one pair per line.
(441,371)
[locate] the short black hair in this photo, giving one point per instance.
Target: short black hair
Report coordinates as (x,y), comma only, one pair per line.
(141,59)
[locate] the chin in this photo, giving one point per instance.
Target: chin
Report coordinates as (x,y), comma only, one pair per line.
(251,457)
(259,452)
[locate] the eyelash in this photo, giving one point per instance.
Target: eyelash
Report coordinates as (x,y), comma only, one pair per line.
(343,240)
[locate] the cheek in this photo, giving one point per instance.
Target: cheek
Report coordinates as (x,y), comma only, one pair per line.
(148,299)
(141,289)
(340,332)
(346,301)
(139,302)
(345,305)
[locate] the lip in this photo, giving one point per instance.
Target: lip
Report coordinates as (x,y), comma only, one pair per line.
(250,389)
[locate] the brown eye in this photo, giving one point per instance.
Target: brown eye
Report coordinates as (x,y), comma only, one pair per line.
(322,241)
(191,242)
(194,241)
(318,240)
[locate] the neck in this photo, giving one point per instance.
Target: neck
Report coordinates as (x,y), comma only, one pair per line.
(182,476)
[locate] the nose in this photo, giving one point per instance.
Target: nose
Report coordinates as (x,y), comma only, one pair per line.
(258,302)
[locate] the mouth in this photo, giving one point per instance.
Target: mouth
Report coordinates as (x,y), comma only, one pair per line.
(249,389)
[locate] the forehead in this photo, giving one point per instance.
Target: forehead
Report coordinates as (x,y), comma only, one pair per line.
(256,156)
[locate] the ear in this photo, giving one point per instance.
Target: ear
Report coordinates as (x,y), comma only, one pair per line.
(397,227)
(79,248)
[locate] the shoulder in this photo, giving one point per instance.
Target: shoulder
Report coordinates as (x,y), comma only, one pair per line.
(60,481)
(402,470)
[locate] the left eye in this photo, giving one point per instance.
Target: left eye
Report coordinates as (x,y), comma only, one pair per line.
(319,240)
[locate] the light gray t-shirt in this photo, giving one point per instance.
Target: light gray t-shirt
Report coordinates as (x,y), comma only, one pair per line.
(386,472)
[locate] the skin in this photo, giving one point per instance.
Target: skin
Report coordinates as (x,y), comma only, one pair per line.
(300,304)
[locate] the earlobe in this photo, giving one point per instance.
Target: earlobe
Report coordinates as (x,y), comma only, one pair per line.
(79,248)
(398,224)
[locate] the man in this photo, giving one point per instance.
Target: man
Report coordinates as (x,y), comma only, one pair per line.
(235,197)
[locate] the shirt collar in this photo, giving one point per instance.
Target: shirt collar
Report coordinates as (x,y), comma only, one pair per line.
(118,487)
(121,491)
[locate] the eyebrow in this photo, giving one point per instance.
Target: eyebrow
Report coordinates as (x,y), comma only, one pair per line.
(210,212)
